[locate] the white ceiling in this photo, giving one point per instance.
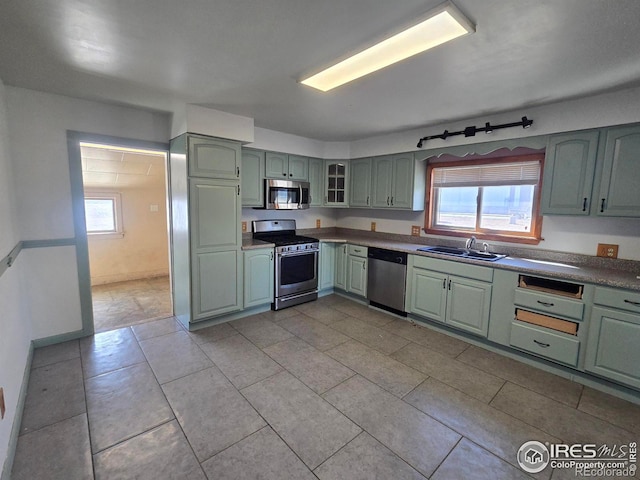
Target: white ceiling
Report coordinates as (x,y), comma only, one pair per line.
(244,57)
(103,167)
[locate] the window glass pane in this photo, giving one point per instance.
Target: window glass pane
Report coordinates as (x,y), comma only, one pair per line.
(507,208)
(456,207)
(341,169)
(100,214)
(341,183)
(332,169)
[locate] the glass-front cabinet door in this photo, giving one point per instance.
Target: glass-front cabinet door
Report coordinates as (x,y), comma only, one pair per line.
(336,183)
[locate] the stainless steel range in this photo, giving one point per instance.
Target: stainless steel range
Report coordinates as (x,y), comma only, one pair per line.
(296,277)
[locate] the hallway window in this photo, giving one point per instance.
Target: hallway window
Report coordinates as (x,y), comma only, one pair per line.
(102,213)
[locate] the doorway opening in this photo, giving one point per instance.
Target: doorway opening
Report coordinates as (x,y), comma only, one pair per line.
(125,194)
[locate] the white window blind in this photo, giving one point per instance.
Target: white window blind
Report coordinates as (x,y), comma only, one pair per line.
(494,175)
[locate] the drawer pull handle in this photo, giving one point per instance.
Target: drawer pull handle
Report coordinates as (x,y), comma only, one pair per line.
(635,304)
(543,345)
(546,304)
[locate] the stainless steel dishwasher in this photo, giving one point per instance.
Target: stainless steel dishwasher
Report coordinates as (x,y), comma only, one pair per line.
(386,281)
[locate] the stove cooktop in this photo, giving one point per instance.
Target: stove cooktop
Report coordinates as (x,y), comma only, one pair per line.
(285,239)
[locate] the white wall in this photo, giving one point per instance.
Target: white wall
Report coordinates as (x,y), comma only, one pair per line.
(567,234)
(143,251)
(15,328)
(38,124)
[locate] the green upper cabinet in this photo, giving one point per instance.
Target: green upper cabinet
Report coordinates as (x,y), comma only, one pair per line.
(252,190)
(336,191)
(286,167)
(381,182)
(316,181)
(570,163)
(298,168)
(360,193)
(398,181)
(620,180)
(213,158)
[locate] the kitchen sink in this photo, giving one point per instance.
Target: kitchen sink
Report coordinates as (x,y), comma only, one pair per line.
(463,253)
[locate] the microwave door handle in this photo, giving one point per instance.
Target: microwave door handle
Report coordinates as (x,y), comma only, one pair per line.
(300,199)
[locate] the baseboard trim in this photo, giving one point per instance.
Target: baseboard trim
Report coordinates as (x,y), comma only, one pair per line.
(17,420)
(63,337)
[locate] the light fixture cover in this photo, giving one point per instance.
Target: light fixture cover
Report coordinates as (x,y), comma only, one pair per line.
(436,27)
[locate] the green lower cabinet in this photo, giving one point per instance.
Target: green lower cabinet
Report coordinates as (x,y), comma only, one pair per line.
(612,348)
(460,302)
(211,296)
(428,294)
(258,277)
(327,265)
(341,266)
(468,304)
(357,275)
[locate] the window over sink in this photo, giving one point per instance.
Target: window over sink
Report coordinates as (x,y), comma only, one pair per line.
(491,198)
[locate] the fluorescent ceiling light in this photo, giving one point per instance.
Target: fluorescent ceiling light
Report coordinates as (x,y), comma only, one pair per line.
(438,26)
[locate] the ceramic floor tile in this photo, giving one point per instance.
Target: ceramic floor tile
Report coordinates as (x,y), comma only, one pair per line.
(382,370)
(55,393)
(213,333)
(612,409)
(173,356)
(374,317)
(370,335)
(468,460)
(108,351)
(59,451)
(427,337)
(240,360)
(260,331)
(313,332)
(159,453)
(548,384)
(310,426)
(262,455)
(365,458)
(323,313)
(123,404)
(316,370)
(211,411)
(156,328)
(55,353)
(418,439)
(470,380)
(496,431)
(560,420)
(279,315)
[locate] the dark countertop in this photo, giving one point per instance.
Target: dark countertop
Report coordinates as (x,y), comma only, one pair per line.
(594,274)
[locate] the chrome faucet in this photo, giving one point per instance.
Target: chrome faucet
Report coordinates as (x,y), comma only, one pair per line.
(470,243)
(485,247)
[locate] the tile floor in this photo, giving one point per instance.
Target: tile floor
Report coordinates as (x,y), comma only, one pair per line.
(328,390)
(122,304)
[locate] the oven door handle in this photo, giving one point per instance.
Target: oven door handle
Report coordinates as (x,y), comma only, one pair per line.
(297,252)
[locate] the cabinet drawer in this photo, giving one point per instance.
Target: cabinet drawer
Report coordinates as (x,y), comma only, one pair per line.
(453,267)
(622,299)
(357,251)
(545,343)
(557,305)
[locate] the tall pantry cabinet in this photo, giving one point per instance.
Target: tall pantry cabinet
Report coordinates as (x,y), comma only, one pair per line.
(206,229)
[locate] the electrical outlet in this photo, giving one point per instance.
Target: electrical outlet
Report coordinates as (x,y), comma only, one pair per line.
(373,226)
(607,250)
(244,227)
(318,223)
(2,406)
(415,230)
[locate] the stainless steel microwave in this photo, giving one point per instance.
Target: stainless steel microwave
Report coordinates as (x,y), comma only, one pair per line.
(286,195)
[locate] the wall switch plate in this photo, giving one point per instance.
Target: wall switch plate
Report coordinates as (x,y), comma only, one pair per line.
(153,208)
(607,250)
(415,230)
(318,223)
(244,227)
(2,406)
(373,226)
